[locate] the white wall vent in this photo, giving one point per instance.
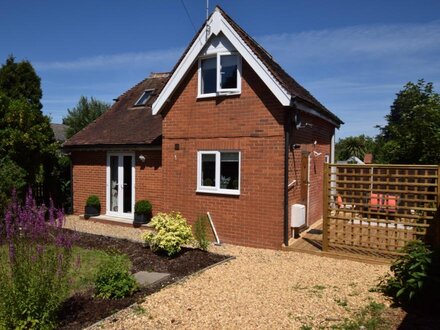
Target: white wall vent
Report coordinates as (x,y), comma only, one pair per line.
(297,215)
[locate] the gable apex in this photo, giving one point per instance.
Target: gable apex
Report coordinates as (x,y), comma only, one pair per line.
(278,81)
(217,24)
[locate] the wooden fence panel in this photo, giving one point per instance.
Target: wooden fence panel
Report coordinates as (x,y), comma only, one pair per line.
(379,208)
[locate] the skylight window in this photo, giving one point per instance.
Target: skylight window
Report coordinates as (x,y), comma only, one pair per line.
(144,98)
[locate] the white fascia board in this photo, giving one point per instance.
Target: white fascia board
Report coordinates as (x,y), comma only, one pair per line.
(316,113)
(182,69)
(260,69)
(218,24)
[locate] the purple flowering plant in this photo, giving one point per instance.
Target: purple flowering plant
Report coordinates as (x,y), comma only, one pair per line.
(35,264)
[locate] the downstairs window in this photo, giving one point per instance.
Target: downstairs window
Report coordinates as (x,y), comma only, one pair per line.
(218,172)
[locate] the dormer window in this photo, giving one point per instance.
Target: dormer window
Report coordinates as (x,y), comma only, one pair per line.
(144,98)
(220,75)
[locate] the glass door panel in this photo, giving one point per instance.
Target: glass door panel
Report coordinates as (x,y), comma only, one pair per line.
(127,184)
(114,183)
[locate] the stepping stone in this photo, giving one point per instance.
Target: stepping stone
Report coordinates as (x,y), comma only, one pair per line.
(149,278)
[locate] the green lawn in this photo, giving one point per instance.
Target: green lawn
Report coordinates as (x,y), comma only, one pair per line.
(90,260)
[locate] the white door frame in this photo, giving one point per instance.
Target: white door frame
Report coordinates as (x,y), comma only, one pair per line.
(120,156)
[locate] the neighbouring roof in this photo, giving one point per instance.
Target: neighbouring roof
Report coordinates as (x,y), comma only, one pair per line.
(59,131)
(124,123)
(283,79)
(368,158)
(351,160)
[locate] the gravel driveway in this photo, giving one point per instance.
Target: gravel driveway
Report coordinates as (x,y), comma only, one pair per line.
(259,289)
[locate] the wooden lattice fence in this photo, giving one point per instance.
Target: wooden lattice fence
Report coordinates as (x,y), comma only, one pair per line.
(379,208)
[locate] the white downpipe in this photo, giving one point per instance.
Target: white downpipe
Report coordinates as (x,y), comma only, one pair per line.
(217,240)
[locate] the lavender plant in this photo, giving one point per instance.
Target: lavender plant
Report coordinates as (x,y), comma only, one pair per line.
(35,259)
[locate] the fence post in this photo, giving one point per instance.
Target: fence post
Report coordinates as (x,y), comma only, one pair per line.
(438,187)
(325,225)
(436,225)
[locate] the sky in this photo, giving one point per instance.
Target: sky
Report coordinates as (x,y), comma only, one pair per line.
(353,56)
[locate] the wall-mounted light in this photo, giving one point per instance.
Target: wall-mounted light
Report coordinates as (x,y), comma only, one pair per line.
(142,158)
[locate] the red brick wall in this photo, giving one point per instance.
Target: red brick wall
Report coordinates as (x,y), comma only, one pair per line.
(149,178)
(321,132)
(252,123)
(89,177)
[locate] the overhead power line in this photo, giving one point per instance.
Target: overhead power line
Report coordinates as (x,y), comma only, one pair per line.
(189,16)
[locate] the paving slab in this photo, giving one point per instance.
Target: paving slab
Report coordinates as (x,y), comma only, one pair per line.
(148,278)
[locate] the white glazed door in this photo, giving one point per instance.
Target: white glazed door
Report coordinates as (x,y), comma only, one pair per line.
(120,185)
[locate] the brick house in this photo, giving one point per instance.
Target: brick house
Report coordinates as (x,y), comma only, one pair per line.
(228,131)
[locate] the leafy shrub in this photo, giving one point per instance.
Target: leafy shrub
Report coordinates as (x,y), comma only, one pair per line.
(113,279)
(143,207)
(35,265)
(172,231)
(200,232)
(12,177)
(410,272)
(93,201)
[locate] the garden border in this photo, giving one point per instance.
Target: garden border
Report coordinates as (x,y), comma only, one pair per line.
(98,323)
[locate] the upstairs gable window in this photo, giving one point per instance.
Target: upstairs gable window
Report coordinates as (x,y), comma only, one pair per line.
(144,98)
(220,75)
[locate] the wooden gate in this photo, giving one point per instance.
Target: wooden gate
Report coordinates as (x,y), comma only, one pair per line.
(379,208)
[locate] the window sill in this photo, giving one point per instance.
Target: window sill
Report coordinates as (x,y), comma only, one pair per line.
(219,94)
(219,192)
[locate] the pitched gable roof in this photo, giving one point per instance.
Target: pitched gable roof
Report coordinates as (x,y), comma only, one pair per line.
(282,85)
(124,123)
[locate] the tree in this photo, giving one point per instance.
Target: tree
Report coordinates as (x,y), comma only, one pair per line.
(412,134)
(27,144)
(19,81)
(83,114)
(354,146)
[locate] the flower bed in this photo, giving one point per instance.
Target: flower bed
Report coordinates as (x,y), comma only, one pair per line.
(83,309)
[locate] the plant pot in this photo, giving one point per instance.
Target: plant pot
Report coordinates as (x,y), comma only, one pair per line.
(91,211)
(141,218)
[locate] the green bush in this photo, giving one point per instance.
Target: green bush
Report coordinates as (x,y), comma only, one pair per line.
(93,201)
(410,272)
(113,279)
(143,207)
(12,177)
(172,231)
(200,232)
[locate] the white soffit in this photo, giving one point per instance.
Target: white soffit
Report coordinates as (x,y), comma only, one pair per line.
(218,24)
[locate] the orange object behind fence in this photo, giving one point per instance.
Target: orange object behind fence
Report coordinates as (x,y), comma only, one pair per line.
(375,201)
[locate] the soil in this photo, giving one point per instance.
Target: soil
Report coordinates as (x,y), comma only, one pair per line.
(82,310)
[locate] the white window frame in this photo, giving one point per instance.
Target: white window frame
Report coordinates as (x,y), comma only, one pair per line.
(216,189)
(219,91)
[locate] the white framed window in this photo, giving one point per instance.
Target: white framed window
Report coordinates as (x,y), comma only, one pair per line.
(218,172)
(219,74)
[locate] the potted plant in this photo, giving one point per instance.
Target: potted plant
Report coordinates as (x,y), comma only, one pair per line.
(93,207)
(142,211)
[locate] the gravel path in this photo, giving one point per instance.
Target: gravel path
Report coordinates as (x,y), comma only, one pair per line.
(262,289)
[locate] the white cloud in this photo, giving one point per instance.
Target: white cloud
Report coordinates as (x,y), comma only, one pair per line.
(356,42)
(346,87)
(113,61)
